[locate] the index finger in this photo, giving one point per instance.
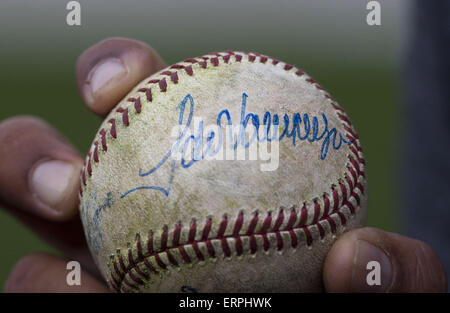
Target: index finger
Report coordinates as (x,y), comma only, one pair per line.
(108,70)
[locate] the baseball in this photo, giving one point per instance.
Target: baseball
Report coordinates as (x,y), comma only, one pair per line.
(231,172)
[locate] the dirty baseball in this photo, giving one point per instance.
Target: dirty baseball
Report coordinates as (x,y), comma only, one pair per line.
(231,172)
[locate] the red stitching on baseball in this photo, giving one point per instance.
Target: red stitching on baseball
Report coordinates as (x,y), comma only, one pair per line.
(222,227)
(189,70)
(96,151)
(149,266)
(353,173)
(350,206)
(184,255)
(113,128)
(266,244)
(253,244)
(224,240)
(148,93)
(122,265)
(173,76)
(360,160)
(316,212)
(137,103)
(211,251)
(335,198)
(163,85)
(360,187)
(164,237)
(279,220)
(252,225)
(321,230)
(335,106)
(102,133)
(238,244)
(319,87)
(342,217)
(238,224)
(303,216)
(130,256)
(293,237)
(215,61)
(124,112)
(292,219)
(225,248)
(176,235)
(346,119)
(326,205)
(266,224)
(139,246)
(207,229)
(279,241)
(192,232)
(171,258)
(177,66)
(331,223)
(308,235)
(197,251)
(83,177)
(137,280)
(159,262)
(349,182)
(351,132)
(150,242)
(356,196)
(343,191)
(89,167)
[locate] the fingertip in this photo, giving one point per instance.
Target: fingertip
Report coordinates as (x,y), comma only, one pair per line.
(39,172)
(371,260)
(338,265)
(17,274)
(348,264)
(55,183)
(41,272)
(107,71)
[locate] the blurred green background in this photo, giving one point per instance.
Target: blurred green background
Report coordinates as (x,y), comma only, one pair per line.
(358,64)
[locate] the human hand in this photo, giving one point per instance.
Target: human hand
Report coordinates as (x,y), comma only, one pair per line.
(40,170)
(39,181)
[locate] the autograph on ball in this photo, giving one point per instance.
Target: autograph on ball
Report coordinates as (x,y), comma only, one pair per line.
(190,148)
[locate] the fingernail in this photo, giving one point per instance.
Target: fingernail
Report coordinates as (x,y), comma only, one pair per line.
(52,182)
(105,72)
(372,270)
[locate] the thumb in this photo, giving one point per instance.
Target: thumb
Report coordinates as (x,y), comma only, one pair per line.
(405,264)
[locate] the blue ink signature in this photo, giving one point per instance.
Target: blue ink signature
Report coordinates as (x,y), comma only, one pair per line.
(310,133)
(188,289)
(93,232)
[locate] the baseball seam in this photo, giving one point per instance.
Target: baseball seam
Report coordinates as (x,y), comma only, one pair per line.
(182,245)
